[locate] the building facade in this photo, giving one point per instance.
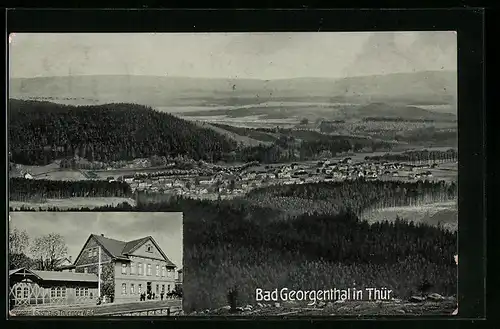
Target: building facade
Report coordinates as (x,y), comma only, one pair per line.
(128,268)
(29,287)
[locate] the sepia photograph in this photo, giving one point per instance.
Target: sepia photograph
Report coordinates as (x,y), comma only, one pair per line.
(316,172)
(95,264)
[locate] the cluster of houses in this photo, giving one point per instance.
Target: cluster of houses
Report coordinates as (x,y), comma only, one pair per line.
(232,182)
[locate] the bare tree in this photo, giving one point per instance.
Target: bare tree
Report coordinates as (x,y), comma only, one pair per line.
(18,243)
(47,249)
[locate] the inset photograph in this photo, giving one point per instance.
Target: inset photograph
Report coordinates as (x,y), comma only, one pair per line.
(95,264)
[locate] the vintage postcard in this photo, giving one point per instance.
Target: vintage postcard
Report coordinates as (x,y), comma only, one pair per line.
(316,172)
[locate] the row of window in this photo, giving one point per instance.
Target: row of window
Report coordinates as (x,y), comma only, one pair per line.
(139,288)
(83,292)
(145,269)
(58,292)
(55,292)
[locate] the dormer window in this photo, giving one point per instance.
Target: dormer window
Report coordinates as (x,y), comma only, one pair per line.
(149,248)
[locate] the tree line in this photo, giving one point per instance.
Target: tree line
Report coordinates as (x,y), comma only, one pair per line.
(429,135)
(289,149)
(21,189)
(418,156)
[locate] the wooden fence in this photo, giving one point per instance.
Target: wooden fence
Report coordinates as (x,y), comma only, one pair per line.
(162,311)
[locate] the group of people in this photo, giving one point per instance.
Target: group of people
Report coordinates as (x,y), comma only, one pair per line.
(150,295)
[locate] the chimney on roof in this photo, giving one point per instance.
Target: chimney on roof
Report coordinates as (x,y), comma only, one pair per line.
(70,258)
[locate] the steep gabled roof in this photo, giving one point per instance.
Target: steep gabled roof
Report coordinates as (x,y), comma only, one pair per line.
(122,249)
(134,244)
(60,261)
(112,246)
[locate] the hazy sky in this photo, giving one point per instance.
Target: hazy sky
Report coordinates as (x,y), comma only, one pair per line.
(232,55)
(76,227)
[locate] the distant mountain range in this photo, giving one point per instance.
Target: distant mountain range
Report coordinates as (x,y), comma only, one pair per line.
(419,88)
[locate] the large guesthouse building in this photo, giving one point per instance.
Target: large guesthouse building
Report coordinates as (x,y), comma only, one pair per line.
(129,269)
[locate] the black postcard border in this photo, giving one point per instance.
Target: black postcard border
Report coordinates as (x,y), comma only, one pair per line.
(469,24)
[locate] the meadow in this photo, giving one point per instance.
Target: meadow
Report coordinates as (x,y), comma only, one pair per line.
(444,214)
(70,203)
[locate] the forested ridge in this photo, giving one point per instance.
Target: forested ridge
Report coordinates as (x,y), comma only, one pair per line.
(303,145)
(331,198)
(40,132)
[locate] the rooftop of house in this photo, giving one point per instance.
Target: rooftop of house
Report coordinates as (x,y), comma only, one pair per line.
(55,276)
(60,261)
(122,249)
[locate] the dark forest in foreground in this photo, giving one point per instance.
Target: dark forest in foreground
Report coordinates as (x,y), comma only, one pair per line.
(251,245)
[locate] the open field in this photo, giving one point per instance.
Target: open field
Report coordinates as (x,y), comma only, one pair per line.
(61,174)
(445,213)
(248,122)
(73,203)
(246,140)
(37,170)
(401,133)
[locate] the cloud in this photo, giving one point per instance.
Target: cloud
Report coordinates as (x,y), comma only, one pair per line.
(386,52)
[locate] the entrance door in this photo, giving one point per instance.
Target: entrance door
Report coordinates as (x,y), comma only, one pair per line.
(149,291)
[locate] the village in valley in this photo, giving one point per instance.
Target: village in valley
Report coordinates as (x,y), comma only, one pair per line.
(202,180)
